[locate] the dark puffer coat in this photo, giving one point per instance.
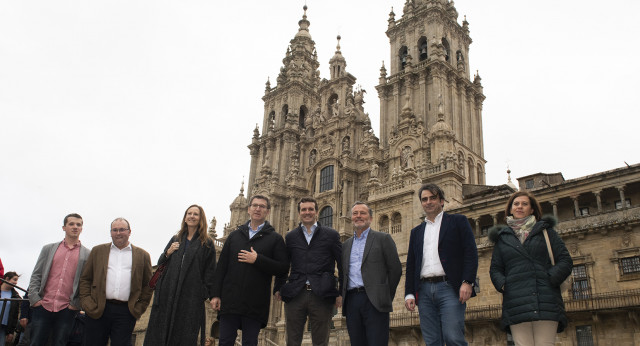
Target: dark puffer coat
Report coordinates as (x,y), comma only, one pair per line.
(523,273)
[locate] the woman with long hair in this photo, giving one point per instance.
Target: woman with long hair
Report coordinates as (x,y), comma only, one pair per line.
(521,269)
(177,313)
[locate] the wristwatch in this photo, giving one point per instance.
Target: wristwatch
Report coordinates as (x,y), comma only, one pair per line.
(468,282)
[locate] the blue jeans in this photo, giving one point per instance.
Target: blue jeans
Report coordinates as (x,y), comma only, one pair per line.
(44,322)
(441,314)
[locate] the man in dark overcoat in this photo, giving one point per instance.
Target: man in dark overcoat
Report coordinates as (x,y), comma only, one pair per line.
(250,257)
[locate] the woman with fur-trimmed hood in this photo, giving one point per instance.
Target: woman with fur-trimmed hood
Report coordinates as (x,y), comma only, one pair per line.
(532,307)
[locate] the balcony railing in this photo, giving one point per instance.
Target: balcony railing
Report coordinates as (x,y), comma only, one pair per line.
(602,220)
(404,319)
(596,302)
(604,301)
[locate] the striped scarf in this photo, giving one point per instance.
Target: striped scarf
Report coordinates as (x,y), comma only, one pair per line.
(522,227)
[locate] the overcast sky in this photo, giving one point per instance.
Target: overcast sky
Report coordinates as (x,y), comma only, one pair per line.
(141,108)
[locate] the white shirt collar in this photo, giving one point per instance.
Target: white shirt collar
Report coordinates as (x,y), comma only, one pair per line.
(436,220)
(128,247)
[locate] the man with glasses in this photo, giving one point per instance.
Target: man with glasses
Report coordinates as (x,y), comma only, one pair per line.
(53,289)
(114,288)
(442,263)
(250,257)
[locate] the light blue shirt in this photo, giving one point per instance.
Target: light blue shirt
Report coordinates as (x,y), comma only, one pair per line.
(355,260)
(308,235)
(252,232)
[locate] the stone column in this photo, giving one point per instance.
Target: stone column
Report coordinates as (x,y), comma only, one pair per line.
(254,150)
(554,205)
(345,203)
(576,206)
(495,219)
(478,227)
(622,201)
(293,208)
(598,200)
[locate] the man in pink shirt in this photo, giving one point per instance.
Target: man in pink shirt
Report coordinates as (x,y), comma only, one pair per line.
(53,290)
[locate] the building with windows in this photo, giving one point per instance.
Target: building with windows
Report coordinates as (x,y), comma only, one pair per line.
(316,140)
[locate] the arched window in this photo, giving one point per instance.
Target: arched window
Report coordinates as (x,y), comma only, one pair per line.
(326,178)
(470,172)
(272,120)
(326,217)
(396,223)
(479,172)
(447,49)
(404,51)
(285,111)
(384,224)
(422,48)
(301,117)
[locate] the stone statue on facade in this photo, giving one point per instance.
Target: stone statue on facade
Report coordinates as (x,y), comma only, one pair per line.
(407,158)
(373,173)
(346,143)
(312,158)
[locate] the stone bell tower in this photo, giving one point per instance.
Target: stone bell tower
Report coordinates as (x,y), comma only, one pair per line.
(430,110)
(316,139)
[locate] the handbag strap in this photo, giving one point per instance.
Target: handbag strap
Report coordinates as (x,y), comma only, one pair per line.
(546,239)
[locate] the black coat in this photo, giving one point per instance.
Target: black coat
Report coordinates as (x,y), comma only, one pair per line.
(315,262)
(178,312)
(244,288)
(523,273)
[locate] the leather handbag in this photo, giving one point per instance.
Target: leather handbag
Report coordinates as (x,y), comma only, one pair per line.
(156,275)
(566,284)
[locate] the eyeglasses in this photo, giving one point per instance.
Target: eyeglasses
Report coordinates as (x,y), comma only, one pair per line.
(119,230)
(258,206)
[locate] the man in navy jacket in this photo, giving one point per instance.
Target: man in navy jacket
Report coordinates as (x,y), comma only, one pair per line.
(312,289)
(442,263)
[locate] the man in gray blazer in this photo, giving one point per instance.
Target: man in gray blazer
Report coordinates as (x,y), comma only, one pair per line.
(53,289)
(372,271)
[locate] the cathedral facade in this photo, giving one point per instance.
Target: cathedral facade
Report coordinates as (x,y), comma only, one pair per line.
(316,140)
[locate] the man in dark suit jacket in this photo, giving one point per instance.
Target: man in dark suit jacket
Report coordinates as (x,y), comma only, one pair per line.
(372,271)
(442,263)
(311,289)
(114,288)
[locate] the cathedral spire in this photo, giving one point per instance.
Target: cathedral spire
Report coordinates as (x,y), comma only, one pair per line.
(304,24)
(509,182)
(337,63)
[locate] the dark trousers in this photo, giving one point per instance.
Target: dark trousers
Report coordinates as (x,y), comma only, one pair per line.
(319,310)
(116,323)
(58,324)
(229,325)
(366,325)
